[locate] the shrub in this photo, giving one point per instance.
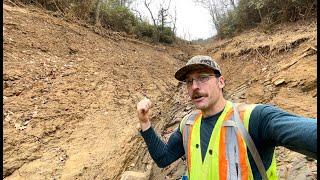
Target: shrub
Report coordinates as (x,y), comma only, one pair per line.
(119,18)
(227,25)
(166,35)
(144,29)
(250,13)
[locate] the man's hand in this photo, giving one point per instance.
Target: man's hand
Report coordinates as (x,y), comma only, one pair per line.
(143,108)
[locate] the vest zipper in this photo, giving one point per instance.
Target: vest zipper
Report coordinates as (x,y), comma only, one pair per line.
(237,170)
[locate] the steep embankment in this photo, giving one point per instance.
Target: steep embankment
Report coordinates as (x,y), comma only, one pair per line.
(70,93)
(70,96)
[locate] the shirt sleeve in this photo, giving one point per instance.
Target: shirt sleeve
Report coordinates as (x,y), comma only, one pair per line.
(274,126)
(163,153)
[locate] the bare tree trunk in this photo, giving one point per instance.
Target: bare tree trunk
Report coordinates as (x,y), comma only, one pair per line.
(233,4)
(97,11)
(147,6)
(138,14)
(174,22)
(157,35)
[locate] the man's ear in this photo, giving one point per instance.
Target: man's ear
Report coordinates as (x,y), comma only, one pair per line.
(221,82)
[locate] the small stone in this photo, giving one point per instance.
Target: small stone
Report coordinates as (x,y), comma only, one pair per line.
(19,126)
(243,96)
(188,108)
(294,84)
(278,81)
(149,166)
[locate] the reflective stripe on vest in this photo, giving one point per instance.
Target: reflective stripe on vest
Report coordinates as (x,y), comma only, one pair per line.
(220,162)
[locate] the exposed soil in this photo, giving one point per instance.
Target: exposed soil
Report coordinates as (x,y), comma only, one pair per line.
(70,93)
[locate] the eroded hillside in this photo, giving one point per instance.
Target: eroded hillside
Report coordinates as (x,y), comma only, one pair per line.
(70,93)
(70,96)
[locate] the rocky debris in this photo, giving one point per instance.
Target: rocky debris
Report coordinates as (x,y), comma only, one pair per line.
(239,92)
(131,175)
(181,56)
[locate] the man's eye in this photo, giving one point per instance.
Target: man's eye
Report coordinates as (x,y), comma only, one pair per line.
(203,78)
(189,81)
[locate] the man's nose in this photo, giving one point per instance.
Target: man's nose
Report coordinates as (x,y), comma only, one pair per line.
(194,84)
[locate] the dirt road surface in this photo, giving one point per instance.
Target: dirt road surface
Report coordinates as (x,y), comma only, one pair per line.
(70,93)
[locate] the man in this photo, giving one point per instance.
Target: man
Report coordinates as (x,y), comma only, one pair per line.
(215,140)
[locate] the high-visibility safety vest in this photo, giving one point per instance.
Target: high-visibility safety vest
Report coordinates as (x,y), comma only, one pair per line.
(226,157)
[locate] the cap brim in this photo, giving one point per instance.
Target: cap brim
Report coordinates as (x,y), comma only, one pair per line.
(181,73)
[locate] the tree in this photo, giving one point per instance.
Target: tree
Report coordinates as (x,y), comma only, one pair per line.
(163,32)
(164,15)
(97,11)
(174,29)
(217,9)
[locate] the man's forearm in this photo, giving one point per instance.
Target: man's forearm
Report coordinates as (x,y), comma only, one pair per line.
(163,154)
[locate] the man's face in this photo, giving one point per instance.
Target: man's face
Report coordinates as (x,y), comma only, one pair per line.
(204,88)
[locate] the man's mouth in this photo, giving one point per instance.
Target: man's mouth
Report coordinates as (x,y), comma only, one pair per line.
(197,96)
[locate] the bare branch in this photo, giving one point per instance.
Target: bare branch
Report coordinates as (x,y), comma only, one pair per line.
(138,13)
(175,21)
(58,7)
(169,5)
(233,4)
(148,7)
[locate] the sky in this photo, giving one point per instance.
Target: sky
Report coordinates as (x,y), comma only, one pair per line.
(193,21)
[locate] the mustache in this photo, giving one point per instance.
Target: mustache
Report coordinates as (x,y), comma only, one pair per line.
(197,94)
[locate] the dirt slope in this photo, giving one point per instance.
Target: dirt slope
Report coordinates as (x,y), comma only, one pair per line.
(70,93)
(70,96)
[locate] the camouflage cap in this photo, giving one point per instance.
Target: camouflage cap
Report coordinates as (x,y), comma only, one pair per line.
(197,62)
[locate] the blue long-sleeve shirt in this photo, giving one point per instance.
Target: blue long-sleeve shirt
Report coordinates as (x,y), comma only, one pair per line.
(269,126)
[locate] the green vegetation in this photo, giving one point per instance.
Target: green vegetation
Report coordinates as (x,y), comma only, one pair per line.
(118,17)
(250,13)
(109,14)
